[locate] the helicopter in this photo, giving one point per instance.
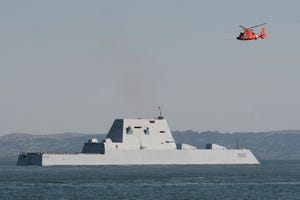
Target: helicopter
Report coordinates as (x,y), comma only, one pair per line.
(248,33)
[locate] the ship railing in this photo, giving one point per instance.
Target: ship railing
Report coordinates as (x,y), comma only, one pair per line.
(46,152)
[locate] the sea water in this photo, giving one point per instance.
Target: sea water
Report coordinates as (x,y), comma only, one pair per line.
(270,180)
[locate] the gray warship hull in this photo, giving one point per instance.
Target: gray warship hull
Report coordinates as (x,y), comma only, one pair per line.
(145,157)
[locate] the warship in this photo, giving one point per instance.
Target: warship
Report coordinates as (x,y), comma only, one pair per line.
(140,142)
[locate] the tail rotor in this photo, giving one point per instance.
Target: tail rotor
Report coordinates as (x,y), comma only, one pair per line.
(263,33)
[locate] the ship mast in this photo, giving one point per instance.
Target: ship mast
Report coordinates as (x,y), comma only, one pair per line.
(160,115)
(237,142)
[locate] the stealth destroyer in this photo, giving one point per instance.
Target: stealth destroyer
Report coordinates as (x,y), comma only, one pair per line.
(140,142)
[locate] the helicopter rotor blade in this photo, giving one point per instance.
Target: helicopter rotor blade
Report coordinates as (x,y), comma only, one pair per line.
(242,27)
(257,25)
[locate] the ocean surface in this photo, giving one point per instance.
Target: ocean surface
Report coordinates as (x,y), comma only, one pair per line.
(270,180)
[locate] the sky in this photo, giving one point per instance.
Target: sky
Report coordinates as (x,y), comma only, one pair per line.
(75,66)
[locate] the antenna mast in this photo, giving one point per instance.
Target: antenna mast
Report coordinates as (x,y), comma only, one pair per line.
(237,142)
(160,115)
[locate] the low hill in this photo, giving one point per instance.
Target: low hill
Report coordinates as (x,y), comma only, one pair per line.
(274,145)
(12,144)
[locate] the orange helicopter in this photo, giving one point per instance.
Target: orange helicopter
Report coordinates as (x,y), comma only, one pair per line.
(248,33)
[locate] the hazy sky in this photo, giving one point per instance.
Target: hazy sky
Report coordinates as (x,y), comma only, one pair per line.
(77,65)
